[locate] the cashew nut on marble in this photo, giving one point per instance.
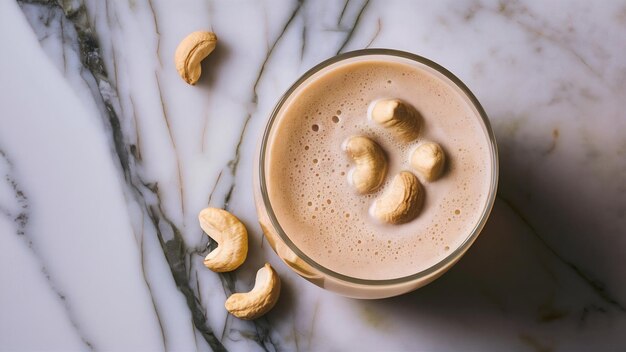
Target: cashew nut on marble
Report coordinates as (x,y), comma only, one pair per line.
(370,163)
(398,116)
(260,299)
(428,159)
(231,237)
(190,53)
(401,202)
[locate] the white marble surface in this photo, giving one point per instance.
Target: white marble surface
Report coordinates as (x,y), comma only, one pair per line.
(106,157)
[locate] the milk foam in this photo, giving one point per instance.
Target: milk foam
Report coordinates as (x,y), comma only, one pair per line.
(307,169)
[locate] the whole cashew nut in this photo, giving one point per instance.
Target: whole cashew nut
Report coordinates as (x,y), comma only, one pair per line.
(401,202)
(190,53)
(260,300)
(231,237)
(398,116)
(428,159)
(371,163)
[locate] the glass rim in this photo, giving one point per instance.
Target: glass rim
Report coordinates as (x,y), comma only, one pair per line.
(452,256)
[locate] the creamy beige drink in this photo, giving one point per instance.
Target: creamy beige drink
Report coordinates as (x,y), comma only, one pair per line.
(308,171)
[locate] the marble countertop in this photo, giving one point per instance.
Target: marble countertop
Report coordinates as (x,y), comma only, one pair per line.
(106,157)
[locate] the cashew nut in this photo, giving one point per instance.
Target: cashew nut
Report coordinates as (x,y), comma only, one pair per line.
(428,159)
(231,237)
(401,202)
(260,300)
(371,163)
(398,116)
(191,51)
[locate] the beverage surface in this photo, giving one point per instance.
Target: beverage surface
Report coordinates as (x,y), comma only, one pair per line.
(307,171)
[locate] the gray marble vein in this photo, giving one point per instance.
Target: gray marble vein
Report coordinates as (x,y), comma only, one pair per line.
(19,214)
(146,194)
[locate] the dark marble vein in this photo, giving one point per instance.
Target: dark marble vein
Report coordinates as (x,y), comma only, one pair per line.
(145,278)
(233,164)
(378,28)
(135,149)
(156,30)
(588,309)
(63,46)
(598,287)
(144,193)
(169,133)
(295,12)
(343,11)
(175,254)
(21,221)
(353,27)
(262,328)
(303,46)
(263,333)
(217,180)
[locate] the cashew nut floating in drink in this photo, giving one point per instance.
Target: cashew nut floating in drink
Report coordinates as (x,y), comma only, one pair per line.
(370,163)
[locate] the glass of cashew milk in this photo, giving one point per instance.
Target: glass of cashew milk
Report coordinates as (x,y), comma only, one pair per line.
(376,172)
